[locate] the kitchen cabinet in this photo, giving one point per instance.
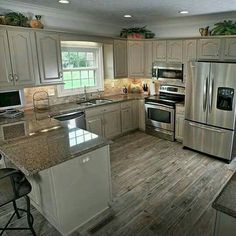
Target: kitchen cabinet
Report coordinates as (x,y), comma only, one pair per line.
(73,192)
(136,58)
(112,123)
(148,59)
(120,59)
(179,122)
(229,49)
(159,50)
(174,51)
(126,116)
(129,115)
(49,56)
(209,49)
(189,54)
(17,64)
(6,76)
(141,111)
(94,124)
(104,120)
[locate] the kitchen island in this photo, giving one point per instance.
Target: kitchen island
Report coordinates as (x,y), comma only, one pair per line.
(69,169)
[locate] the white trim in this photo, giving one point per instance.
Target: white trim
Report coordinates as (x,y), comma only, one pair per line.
(100,81)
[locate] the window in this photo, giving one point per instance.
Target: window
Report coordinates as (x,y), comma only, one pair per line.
(82,66)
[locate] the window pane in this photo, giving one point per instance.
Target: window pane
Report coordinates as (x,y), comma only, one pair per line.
(75,75)
(90,63)
(84,74)
(67,75)
(84,83)
(76,84)
(74,60)
(68,85)
(91,82)
(90,56)
(91,74)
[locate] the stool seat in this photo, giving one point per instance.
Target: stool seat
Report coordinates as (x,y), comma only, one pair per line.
(7,194)
(14,185)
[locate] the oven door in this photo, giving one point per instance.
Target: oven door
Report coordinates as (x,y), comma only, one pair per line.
(159,116)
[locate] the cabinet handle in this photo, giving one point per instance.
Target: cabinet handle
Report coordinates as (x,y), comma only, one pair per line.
(85,160)
(10,76)
(16,77)
(61,74)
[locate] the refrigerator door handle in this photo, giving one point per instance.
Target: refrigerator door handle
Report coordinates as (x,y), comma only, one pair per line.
(211,93)
(205,94)
(207,128)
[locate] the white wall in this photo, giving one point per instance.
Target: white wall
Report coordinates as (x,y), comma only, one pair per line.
(63,20)
(188,26)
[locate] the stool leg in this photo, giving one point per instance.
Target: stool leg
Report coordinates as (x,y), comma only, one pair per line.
(29,216)
(16,210)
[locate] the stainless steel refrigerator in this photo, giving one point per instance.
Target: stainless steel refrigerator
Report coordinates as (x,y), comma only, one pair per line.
(210,110)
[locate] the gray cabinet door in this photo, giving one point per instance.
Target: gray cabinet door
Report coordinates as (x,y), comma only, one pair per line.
(209,49)
(120,58)
(112,124)
(20,42)
(136,58)
(159,50)
(174,50)
(49,55)
(148,59)
(126,119)
(94,124)
(6,77)
(230,49)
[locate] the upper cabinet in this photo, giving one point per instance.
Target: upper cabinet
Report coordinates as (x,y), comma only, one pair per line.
(209,49)
(49,56)
(174,51)
(159,50)
(120,59)
(148,55)
(6,75)
(17,63)
(136,58)
(20,43)
(230,49)
(189,54)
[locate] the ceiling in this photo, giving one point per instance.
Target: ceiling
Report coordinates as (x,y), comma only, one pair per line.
(143,11)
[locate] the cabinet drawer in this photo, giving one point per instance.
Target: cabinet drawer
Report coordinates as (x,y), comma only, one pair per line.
(125,105)
(102,109)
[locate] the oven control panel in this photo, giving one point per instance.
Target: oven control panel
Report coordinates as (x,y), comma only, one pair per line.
(172,89)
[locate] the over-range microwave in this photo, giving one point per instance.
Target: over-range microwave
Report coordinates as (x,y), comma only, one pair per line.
(169,72)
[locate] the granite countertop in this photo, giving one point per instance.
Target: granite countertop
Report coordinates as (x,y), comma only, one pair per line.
(42,142)
(226,200)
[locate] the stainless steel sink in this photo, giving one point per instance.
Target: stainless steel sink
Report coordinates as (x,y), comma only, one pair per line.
(85,104)
(100,101)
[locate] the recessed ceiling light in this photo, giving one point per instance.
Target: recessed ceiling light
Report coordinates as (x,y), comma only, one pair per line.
(183,12)
(127,16)
(64,1)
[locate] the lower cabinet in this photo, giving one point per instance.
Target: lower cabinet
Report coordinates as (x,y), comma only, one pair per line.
(75,191)
(179,122)
(104,120)
(129,115)
(141,115)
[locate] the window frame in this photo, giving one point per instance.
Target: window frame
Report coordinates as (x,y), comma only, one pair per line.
(86,47)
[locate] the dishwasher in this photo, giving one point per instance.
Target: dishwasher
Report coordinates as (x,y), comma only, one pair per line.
(72,119)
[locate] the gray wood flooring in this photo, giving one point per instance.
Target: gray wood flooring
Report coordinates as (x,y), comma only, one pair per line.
(158,189)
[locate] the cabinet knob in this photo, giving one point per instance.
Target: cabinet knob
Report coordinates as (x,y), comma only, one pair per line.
(10,76)
(61,74)
(16,77)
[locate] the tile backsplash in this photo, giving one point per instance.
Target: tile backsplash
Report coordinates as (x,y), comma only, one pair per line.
(111,87)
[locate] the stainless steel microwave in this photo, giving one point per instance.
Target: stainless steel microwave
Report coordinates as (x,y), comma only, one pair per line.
(169,72)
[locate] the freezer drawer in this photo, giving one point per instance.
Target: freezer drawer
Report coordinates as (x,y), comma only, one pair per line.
(214,141)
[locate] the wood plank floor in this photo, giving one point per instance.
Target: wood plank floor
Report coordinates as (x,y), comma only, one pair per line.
(158,189)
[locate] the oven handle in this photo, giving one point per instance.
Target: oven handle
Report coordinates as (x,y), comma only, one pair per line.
(159,105)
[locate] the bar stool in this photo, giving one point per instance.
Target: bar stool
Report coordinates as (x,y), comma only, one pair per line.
(13,186)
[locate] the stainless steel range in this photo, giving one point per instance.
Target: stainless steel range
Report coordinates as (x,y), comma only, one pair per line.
(160,111)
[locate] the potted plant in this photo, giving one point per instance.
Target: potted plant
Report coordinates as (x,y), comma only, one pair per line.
(224,28)
(16,19)
(136,33)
